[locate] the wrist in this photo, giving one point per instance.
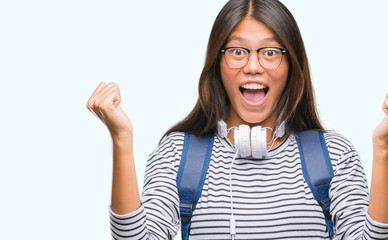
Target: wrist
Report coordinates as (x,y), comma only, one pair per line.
(122,139)
(380,153)
(380,144)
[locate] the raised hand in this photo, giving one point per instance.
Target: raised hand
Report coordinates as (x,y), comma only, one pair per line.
(380,135)
(105,104)
(378,202)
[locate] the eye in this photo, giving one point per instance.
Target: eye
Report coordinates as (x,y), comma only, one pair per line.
(271,52)
(238,52)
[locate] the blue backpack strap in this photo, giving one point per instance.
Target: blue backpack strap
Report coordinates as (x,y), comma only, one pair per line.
(317,170)
(191,176)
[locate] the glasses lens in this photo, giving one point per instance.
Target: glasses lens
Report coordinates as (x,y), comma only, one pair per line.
(236,57)
(270,58)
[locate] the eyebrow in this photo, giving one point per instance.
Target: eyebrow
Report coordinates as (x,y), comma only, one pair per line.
(243,40)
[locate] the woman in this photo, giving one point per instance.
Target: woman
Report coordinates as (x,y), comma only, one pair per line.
(256,74)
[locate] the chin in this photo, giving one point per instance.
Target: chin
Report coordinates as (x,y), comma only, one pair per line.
(254,118)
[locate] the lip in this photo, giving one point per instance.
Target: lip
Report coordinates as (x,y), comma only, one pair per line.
(254,104)
(249,81)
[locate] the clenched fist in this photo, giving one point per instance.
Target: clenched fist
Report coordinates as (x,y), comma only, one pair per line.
(105,104)
(380,135)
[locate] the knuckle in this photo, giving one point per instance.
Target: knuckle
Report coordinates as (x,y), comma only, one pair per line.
(115,85)
(116,88)
(97,103)
(89,104)
(102,105)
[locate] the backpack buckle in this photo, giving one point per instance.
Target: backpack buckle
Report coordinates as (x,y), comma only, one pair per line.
(325,205)
(186,211)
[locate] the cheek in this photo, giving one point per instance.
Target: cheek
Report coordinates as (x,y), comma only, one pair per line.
(281,76)
(228,77)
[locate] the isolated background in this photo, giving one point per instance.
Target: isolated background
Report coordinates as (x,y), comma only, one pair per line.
(55,156)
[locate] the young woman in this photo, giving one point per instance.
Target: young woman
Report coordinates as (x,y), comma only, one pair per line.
(256,74)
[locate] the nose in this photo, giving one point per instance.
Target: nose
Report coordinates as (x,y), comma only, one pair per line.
(253,65)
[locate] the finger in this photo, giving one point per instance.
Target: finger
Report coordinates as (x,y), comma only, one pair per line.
(106,90)
(97,113)
(96,97)
(386,100)
(118,99)
(101,116)
(92,98)
(99,88)
(385,105)
(110,98)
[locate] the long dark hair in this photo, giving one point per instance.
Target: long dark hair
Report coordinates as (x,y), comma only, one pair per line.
(296,105)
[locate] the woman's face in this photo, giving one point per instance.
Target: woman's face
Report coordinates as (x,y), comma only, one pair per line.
(253,106)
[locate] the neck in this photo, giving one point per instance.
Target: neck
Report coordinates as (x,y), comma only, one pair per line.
(270,136)
(235,121)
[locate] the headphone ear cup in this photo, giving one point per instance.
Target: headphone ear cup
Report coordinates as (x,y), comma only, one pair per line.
(242,140)
(256,142)
(222,129)
(236,138)
(263,144)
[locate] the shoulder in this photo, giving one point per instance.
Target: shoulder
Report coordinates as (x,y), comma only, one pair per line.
(335,142)
(338,143)
(340,149)
(174,138)
(166,156)
(170,147)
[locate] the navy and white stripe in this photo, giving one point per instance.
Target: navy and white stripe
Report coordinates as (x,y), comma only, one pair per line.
(271,199)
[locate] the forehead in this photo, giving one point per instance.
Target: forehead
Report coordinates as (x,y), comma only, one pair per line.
(250,31)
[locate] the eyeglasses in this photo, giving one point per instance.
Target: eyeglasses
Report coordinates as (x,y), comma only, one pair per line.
(269,57)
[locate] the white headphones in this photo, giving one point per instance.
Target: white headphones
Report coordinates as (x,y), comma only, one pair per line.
(250,143)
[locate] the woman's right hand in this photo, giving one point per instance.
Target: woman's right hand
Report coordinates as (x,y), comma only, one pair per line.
(105,104)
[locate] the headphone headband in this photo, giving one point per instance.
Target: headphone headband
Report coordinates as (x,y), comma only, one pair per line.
(250,142)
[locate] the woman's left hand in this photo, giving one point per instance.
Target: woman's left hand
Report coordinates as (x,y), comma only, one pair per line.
(378,201)
(380,135)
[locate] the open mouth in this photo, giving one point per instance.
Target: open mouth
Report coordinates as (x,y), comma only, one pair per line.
(254,92)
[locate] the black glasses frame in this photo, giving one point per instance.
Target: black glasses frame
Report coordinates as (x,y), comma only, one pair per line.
(283,50)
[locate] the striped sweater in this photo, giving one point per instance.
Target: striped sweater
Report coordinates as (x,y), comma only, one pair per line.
(271,199)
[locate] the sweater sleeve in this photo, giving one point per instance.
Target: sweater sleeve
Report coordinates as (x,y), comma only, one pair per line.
(350,198)
(158,215)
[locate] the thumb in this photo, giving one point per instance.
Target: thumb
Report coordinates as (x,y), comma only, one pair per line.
(111,98)
(116,102)
(385,105)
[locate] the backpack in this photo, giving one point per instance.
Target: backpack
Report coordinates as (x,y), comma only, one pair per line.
(196,154)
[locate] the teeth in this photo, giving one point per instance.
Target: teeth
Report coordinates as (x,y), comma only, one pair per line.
(253,86)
